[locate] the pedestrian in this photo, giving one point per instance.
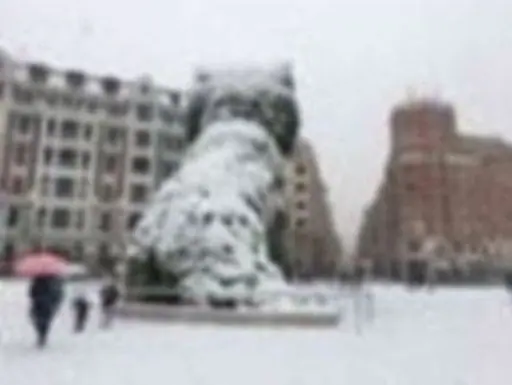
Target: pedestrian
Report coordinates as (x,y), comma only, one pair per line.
(508,281)
(81,307)
(46,293)
(109,296)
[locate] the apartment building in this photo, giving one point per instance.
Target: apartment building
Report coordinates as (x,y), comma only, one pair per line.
(445,196)
(313,244)
(80,154)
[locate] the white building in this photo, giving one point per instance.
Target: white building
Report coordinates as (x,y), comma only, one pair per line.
(81,154)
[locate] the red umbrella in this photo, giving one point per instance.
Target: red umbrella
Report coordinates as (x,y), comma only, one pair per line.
(40,264)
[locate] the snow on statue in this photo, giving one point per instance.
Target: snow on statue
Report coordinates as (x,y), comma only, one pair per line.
(207,223)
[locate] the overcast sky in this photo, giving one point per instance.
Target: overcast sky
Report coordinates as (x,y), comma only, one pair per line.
(354,60)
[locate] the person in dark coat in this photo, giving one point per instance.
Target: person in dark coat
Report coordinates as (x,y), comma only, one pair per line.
(81,308)
(109,296)
(508,281)
(45,298)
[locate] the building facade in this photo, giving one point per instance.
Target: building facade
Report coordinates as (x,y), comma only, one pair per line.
(312,241)
(446,197)
(81,154)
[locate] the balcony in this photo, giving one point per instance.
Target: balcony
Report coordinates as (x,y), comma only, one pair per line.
(111,85)
(175,98)
(75,79)
(38,73)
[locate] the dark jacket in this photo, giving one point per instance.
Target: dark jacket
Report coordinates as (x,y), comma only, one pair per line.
(109,295)
(46,295)
(508,281)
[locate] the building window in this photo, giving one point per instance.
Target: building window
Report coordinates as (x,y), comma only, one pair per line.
(22,96)
(300,223)
(47,155)
(118,109)
(108,192)
(86,159)
(104,250)
(138,193)
(61,218)
(92,106)
(105,222)
(67,101)
(69,129)
(41,217)
(140,165)
(142,139)
(50,127)
(17,185)
(113,135)
(88,132)
(64,187)
(300,187)
(301,205)
(13,216)
(133,219)
(68,158)
(110,163)
(300,169)
(38,73)
(145,112)
(51,99)
(20,155)
(279,183)
(78,103)
(413,245)
(24,124)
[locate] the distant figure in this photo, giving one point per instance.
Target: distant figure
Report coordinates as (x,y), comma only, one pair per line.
(362,298)
(417,273)
(46,295)
(81,306)
(508,281)
(109,296)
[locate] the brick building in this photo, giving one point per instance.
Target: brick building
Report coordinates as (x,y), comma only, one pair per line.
(446,197)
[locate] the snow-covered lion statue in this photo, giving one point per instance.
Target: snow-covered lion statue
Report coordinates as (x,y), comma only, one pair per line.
(207,223)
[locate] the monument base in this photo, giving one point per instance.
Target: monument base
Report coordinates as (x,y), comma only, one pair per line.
(194,315)
(293,307)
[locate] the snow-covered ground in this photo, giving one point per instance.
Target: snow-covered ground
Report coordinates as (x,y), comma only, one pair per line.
(452,337)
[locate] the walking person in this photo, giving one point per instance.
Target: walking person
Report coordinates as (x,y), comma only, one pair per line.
(46,289)
(363,299)
(45,295)
(109,296)
(508,281)
(81,307)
